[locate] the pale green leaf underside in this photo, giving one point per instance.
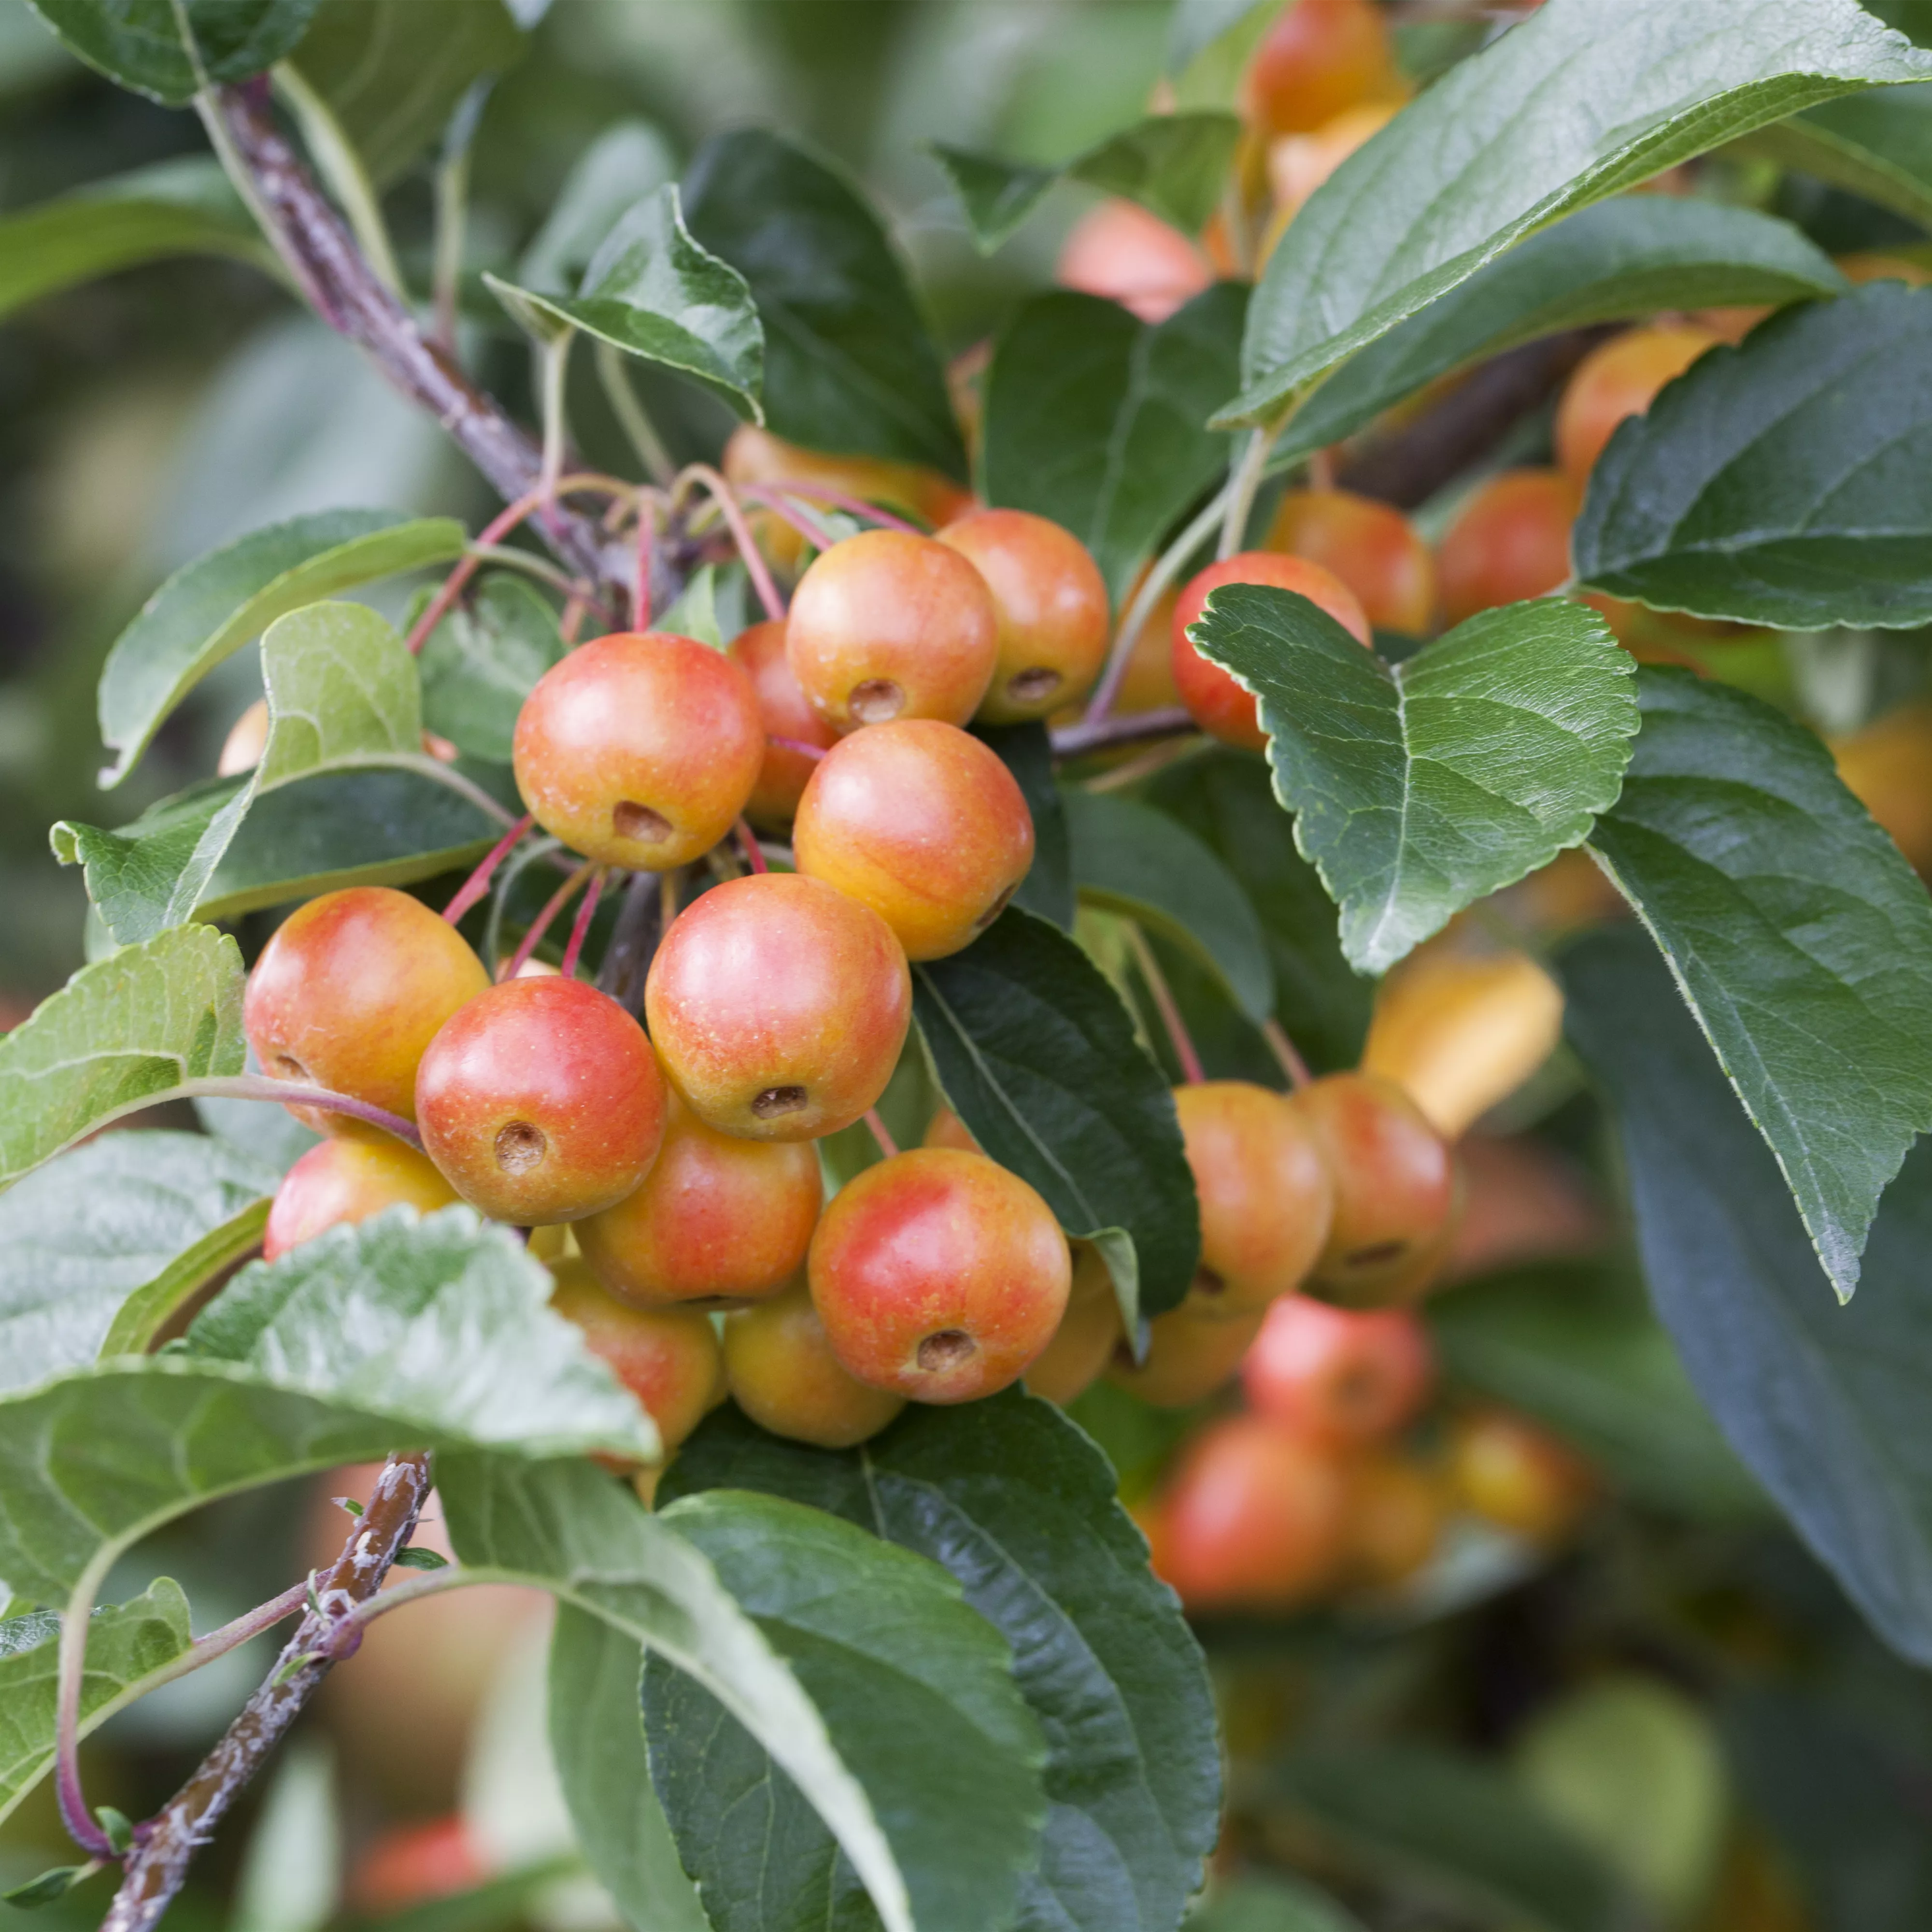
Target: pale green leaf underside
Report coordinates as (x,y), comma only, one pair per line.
(1417,788)
(1581,99)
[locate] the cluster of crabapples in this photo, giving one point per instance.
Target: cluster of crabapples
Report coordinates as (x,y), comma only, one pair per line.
(669,1176)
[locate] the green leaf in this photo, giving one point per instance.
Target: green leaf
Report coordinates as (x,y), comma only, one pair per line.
(651,291)
(1420,787)
(479,664)
(401,1332)
(1223,797)
(392,71)
(738,1630)
(1781,482)
(597,1744)
(111,1220)
(138,43)
(421,1559)
(1173,164)
(1574,1345)
(1036,1055)
(1878,145)
(290,1874)
(1613,262)
(52,1884)
(918,1690)
(1026,751)
(1458,1830)
(1824,1403)
(1572,105)
(184,207)
(1194,25)
(1013,1499)
(1276,1904)
(125,1642)
(210,608)
(122,1033)
(1800,937)
(1132,860)
(849,364)
(1095,420)
(628,161)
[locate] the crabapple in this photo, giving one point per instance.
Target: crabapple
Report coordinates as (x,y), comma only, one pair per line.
(1297,164)
(667,1358)
(1321,57)
(1341,1376)
(1371,547)
(1219,705)
(1518,1476)
(1509,542)
(1620,379)
(781,1370)
(784,711)
(778,1006)
(1122,253)
(939,1275)
(640,749)
(411,1864)
(349,992)
(1050,602)
(888,624)
(1396,1509)
(1083,1343)
(922,822)
(1255,1518)
(1395,1189)
(348,1180)
(1524,1202)
(247,738)
(540,1101)
(1189,1356)
(718,1222)
(1888,767)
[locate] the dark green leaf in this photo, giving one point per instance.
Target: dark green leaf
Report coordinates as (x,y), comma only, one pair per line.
(1134,860)
(1419,787)
(628,161)
(1877,144)
(848,363)
(597,1744)
(1576,1346)
(918,1691)
(1800,938)
(138,43)
(1458,1830)
(479,663)
(1782,482)
(50,1885)
(392,71)
(1272,1904)
(1573,104)
(994,195)
(1095,420)
(1610,263)
(1021,1506)
(1028,753)
(651,291)
(1036,1055)
(421,1559)
(1824,1403)
(66,1268)
(210,608)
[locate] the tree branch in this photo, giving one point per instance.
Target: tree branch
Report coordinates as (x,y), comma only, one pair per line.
(157,1866)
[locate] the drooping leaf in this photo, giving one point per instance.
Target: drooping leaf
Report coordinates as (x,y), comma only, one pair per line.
(1013,1499)
(653,292)
(1324,1005)
(183,207)
(1609,263)
(848,363)
(1172,164)
(210,608)
(1136,861)
(1036,1055)
(1782,482)
(157,1305)
(121,1034)
(1876,145)
(1800,938)
(478,665)
(1418,787)
(139,44)
(392,71)
(1823,1402)
(597,1743)
(125,1642)
(100,1225)
(1572,105)
(1096,420)
(1027,751)
(401,1332)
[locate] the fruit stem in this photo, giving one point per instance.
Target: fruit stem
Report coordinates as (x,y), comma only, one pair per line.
(1242,486)
(754,855)
(295,1092)
(666,901)
(1191,1069)
(647,544)
(1074,741)
(1283,1049)
(631,415)
(581,926)
(541,924)
(808,527)
(473,888)
(722,494)
(887,1145)
(840,499)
